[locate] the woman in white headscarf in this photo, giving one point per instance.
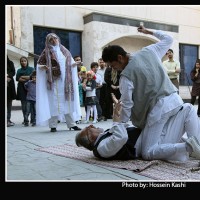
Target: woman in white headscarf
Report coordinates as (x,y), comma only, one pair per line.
(57,86)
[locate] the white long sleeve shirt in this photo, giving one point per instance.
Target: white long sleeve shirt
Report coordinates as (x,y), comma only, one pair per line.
(126,86)
(111,145)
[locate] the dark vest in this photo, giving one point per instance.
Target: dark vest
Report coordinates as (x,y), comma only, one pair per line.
(127,152)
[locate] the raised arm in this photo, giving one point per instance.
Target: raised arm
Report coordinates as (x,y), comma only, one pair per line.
(160,48)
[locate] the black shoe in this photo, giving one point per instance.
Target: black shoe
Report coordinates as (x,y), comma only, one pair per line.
(33,124)
(25,124)
(100,119)
(53,130)
(109,117)
(75,128)
(10,123)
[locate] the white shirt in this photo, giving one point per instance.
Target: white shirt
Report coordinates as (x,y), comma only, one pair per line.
(98,79)
(126,86)
(101,72)
(90,92)
(111,145)
(171,67)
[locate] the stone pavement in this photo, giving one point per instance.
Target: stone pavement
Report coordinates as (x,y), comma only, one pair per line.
(26,164)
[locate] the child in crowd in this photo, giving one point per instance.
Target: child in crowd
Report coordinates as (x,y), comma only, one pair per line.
(82,78)
(91,99)
(30,86)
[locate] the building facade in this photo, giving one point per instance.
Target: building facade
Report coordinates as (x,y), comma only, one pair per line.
(86,30)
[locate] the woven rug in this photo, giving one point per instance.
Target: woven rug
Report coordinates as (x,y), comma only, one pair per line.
(156,170)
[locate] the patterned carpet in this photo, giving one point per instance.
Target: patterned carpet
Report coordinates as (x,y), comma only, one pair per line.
(156,170)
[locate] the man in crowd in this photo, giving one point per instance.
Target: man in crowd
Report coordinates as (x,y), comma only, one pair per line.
(172,68)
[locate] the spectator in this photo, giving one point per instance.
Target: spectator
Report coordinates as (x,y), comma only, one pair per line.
(78,61)
(30,86)
(195,77)
(91,99)
(103,92)
(23,75)
(94,67)
(111,77)
(172,67)
(11,92)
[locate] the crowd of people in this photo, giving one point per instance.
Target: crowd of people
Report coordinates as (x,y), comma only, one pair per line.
(121,86)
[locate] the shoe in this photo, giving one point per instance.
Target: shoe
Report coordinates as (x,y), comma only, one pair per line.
(100,119)
(25,124)
(86,122)
(78,122)
(53,130)
(33,124)
(94,122)
(75,128)
(9,123)
(195,145)
(109,117)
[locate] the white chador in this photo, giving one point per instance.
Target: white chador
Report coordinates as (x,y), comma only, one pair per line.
(52,102)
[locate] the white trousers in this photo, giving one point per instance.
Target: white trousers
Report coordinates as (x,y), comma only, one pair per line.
(163,141)
(53,121)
